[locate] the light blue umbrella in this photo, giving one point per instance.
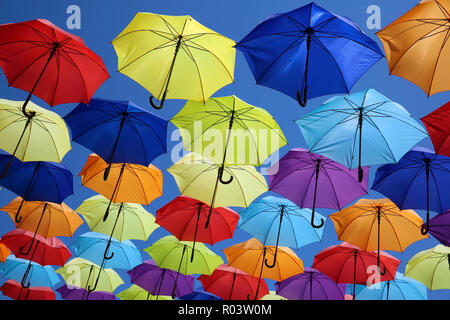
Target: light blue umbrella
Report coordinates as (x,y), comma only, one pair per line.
(401,288)
(29,273)
(361,129)
(278,221)
(107,251)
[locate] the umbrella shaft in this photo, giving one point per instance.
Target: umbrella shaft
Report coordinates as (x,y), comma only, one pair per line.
(232,286)
(117,139)
(177,48)
(18,144)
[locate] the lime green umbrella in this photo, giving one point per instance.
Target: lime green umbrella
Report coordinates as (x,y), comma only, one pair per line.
(273,296)
(241,133)
(137,293)
(196,177)
(431,267)
(41,137)
(82,273)
(129,220)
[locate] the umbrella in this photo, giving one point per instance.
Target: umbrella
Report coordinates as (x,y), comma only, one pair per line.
(118,131)
(159,281)
(346,263)
(416,45)
(128,220)
(431,267)
(41,137)
(377,224)
(440,228)
(4,252)
(296,51)
(46,61)
(272,295)
(310,285)
(51,251)
(278,221)
(200,295)
(123,175)
(14,290)
(418,181)
(230,283)
(319,181)
(186,59)
(74,293)
(196,177)
(437,126)
(44,218)
(250,256)
(182,215)
(22,270)
(137,293)
(361,129)
(401,288)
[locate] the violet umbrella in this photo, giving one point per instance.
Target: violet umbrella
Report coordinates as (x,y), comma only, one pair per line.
(159,281)
(310,285)
(440,228)
(311,180)
(74,293)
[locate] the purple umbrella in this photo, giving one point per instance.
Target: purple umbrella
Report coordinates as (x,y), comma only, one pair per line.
(440,228)
(159,281)
(310,285)
(311,180)
(78,294)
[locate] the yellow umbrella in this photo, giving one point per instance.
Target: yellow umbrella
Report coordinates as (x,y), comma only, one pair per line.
(175,57)
(417,47)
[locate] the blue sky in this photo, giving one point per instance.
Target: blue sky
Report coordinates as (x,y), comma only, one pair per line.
(102,21)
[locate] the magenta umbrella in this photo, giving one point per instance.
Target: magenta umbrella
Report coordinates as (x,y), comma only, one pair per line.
(314,181)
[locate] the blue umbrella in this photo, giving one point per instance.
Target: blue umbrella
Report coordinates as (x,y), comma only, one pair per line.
(199,294)
(118,131)
(279,221)
(361,129)
(298,51)
(401,288)
(420,180)
(22,270)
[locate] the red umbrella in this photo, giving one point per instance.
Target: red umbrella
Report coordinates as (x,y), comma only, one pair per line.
(14,290)
(231,283)
(346,263)
(182,216)
(437,124)
(44,60)
(51,251)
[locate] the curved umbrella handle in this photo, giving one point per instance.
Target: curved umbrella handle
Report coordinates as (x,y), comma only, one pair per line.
(221,176)
(25,285)
(322,222)
(106,172)
(18,218)
(105,254)
(274,260)
(302,102)
(382,272)
(360,174)
(25,253)
(154,105)
(425,228)
(89,288)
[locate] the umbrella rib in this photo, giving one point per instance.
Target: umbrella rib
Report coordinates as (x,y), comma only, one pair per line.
(384,138)
(63,49)
(73,63)
(189,53)
(437,60)
(437,190)
(421,169)
(332,186)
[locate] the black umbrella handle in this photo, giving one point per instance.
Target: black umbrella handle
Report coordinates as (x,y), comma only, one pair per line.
(272,265)
(426,227)
(27,252)
(360,125)
(322,222)
(302,101)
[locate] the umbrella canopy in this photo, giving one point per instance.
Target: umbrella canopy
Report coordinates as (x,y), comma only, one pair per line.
(272,295)
(44,60)
(416,45)
(243,134)
(431,267)
(161,282)
(418,181)
(401,288)
(137,293)
(51,251)
(310,285)
(186,59)
(14,290)
(200,295)
(118,131)
(4,252)
(230,283)
(95,247)
(293,52)
(74,293)
(128,220)
(319,182)
(440,228)
(378,224)
(44,218)
(437,126)
(361,129)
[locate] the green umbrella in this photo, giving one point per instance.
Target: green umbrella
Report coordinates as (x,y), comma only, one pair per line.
(137,293)
(273,296)
(431,267)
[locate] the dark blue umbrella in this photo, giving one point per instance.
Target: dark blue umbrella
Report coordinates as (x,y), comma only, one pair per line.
(199,294)
(118,131)
(298,51)
(420,180)
(36,180)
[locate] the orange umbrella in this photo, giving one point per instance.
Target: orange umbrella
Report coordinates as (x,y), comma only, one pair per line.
(416,45)
(4,252)
(378,224)
(126,183)
(249,256)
